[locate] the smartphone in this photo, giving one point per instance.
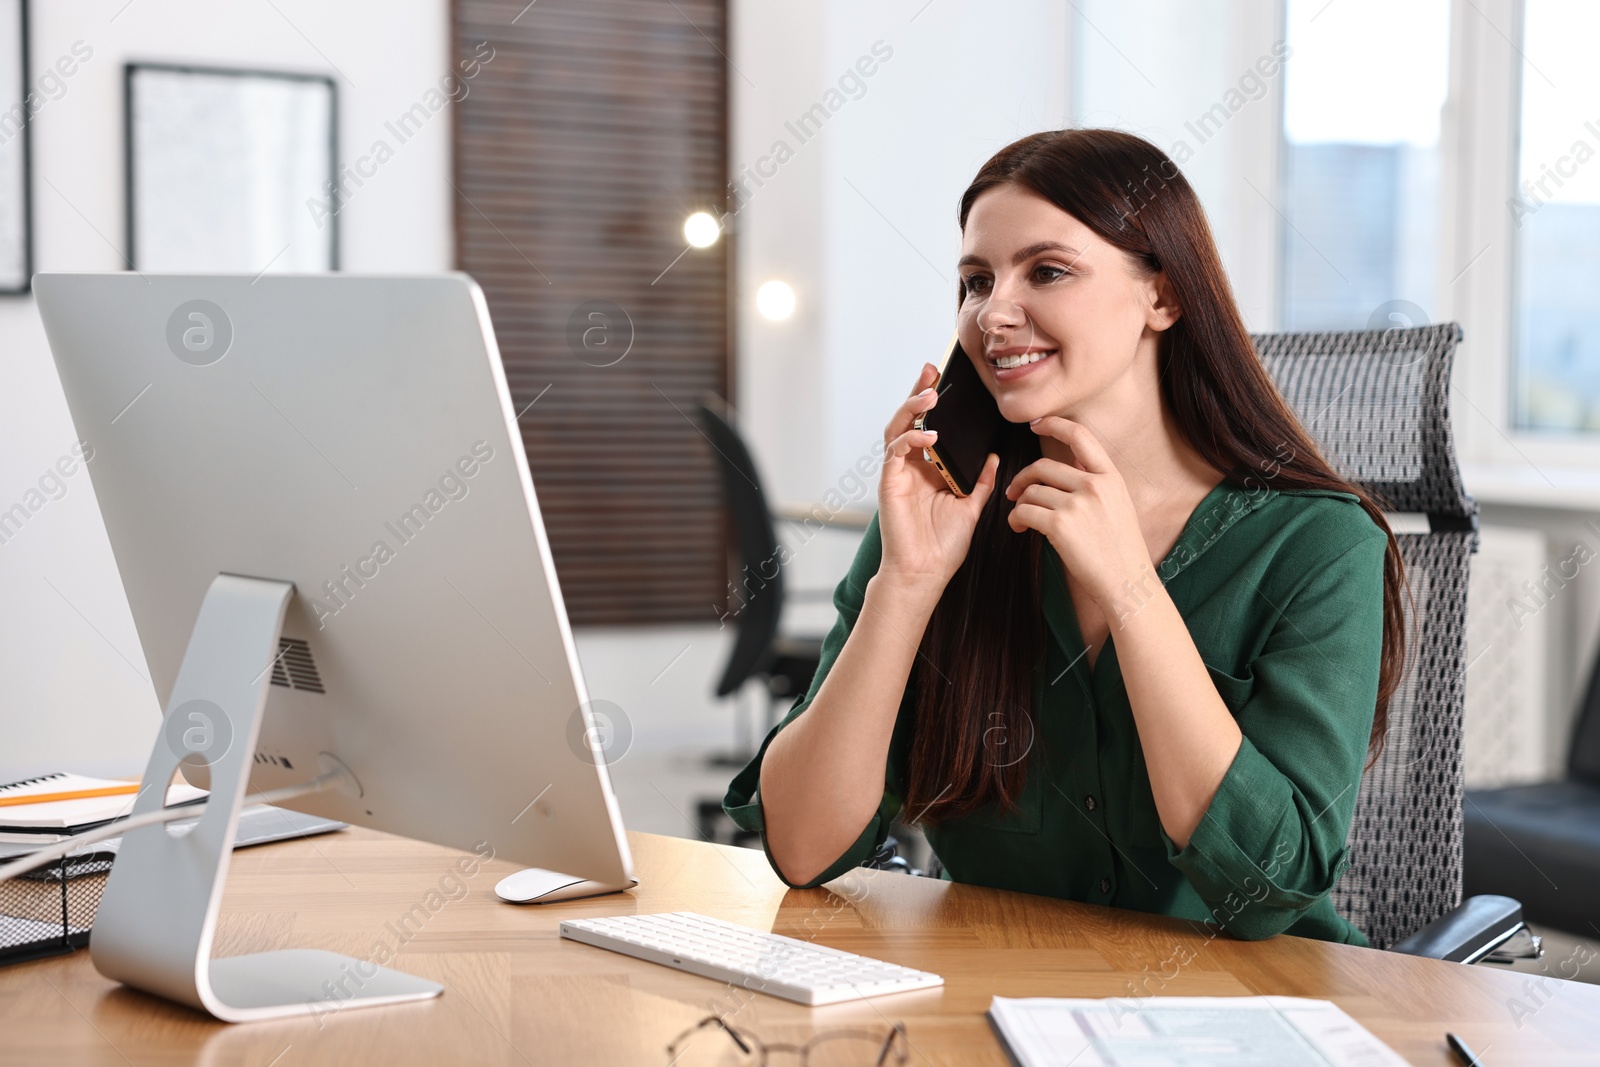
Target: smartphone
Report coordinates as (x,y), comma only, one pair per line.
(967,419)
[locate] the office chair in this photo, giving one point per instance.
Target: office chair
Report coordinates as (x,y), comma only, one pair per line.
(784,664)
(1377,403)
(1541,843)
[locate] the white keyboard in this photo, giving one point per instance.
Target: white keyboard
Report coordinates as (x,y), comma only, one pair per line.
(751,959)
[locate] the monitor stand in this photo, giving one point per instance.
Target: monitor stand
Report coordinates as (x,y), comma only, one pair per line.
(158,914)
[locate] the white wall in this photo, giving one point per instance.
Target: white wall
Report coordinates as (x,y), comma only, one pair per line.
(74,693)
(861,221)
(1160,85)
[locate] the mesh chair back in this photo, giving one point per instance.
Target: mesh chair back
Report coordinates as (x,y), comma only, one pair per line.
(757,597)
(1377,403)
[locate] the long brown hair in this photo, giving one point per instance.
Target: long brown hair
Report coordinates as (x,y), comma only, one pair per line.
(973,683)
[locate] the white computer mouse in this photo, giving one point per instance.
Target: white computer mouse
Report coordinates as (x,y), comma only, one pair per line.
(535,885)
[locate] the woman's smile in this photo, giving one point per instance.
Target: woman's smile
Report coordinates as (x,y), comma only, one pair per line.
(1010,363)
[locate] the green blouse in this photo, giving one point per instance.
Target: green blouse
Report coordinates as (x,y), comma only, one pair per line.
(1282,592)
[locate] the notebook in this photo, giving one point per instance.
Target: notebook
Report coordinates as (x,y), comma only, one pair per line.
(54,820)
(259,824)
(1193,1031)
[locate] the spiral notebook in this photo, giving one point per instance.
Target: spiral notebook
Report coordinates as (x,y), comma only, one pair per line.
(46,819)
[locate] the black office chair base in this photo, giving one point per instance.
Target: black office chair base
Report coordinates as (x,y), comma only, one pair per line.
(714,825)
(787,674)
(727,760)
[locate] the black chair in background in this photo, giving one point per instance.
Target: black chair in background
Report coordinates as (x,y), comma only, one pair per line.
(784,664)
(756,596)
(1541,843)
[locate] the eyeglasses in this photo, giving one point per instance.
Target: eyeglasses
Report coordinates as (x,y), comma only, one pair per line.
(713,1043)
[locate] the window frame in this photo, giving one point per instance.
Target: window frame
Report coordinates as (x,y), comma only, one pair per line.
(1482,132)
(1479,148)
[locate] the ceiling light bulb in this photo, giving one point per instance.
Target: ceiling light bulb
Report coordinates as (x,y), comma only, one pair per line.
(775,300)
(701,230)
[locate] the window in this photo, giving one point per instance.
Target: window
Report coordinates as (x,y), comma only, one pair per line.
(1555,213)
(1363,89)
(1203,81)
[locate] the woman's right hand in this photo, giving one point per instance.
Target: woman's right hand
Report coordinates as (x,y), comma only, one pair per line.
(926,528)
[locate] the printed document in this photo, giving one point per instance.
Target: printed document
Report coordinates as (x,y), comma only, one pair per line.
(1185,1032)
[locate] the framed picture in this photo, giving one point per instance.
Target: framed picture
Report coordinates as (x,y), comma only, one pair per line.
(16,228)
(232,171)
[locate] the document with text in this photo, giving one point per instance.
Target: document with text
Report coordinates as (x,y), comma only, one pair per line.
(1187,1031)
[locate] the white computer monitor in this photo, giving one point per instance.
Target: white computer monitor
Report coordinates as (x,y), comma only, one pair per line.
(316,493)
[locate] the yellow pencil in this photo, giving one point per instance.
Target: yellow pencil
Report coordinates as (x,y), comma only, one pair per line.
(76,794)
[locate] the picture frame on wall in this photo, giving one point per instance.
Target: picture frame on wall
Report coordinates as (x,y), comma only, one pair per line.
(16,222)
(230,170)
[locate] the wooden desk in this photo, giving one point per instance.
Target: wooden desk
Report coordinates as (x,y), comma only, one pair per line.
(518,994)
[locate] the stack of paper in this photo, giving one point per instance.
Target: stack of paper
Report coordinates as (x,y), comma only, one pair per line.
(56,806)
(1191,1031)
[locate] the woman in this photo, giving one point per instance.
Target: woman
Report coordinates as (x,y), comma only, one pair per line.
(1141,664)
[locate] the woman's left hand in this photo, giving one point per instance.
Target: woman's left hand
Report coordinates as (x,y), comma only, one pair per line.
(1085,510)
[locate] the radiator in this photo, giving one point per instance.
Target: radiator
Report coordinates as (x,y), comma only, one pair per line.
(1511,601)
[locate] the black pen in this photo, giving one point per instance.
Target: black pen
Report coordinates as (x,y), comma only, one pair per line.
(1463,1053)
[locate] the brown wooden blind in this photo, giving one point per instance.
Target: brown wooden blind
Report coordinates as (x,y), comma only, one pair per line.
(582,145)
